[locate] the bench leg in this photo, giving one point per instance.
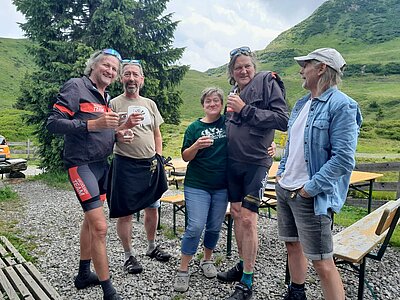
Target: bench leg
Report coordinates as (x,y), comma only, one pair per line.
(229,236)
(159,218)
(361,280)
(287,273)
(175,210)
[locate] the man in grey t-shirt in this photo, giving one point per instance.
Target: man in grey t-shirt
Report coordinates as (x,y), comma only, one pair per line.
(138,178)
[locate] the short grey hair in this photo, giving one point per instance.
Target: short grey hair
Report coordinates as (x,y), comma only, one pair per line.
(93,59)
(131,64)
(209,91)
(231,64)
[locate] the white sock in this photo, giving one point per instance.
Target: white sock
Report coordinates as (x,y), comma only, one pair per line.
(152,246)
(127,254)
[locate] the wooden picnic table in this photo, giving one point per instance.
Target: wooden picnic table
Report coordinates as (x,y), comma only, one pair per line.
(179,164)
(358,180)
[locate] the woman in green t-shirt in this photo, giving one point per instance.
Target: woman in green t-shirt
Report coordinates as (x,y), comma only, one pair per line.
(205,148)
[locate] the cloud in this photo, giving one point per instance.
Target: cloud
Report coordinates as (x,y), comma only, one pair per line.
(209,29)
(9,17)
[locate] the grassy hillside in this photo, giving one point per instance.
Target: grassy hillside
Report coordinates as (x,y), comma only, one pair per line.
(14,63)
(365,32)
(192,85)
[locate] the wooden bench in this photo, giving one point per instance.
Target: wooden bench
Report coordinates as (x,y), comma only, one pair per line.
(355,244)
(175,178)
(269,201)
(175,171)
(178,203)
(20,279)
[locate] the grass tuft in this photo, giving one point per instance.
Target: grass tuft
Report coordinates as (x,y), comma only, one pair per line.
(7,194)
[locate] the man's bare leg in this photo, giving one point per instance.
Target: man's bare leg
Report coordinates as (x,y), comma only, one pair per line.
(124,231)
(297,262)
(250,239)
(331,282)
(98,230)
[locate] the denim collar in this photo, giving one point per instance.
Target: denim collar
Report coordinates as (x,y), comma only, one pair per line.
(326,95)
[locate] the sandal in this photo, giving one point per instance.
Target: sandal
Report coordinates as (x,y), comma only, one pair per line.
(159,254)
(132,266)
(181,281)
(208,268)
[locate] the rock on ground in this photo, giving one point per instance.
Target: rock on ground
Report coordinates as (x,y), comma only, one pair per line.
(51,219)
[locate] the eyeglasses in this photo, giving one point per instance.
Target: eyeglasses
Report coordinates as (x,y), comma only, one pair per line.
(112,52)
(131,62)
(240,50)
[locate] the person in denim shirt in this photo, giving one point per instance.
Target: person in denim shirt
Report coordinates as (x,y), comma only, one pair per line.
(314,173)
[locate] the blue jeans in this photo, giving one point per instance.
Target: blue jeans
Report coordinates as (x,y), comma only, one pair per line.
(204,209)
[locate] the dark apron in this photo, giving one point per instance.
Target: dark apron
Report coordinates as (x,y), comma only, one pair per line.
(134,184)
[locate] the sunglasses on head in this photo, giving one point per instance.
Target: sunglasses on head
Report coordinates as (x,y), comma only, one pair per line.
(112,52)
(131,62)
(240,50)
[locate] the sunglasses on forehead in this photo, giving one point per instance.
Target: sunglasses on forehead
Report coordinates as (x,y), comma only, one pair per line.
(112,52)
(131,62)
(240,50)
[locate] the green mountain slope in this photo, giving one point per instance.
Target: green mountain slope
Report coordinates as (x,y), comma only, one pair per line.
(365,32)
(367,35)
(14,63)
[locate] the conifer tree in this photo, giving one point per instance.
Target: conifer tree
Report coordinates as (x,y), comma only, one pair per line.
(65,33)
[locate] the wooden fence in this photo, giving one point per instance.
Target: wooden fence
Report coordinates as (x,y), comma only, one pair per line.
(383,167)
(27,147)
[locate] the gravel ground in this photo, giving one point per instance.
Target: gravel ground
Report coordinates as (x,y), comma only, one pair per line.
(51,219)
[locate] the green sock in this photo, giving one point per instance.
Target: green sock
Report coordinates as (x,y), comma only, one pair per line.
(247,279)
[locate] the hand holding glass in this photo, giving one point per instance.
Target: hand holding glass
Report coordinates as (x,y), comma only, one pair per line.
(204,142)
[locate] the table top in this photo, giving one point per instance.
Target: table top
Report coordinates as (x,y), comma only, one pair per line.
(179,164)
(273,169)
(356,176)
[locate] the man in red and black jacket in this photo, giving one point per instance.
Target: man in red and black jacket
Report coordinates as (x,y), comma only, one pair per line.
(81,113)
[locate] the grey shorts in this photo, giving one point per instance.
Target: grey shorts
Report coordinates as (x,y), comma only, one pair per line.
(155,204)
(297,222)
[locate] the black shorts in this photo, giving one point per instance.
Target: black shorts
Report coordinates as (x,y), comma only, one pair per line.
(246,184)
(90,184)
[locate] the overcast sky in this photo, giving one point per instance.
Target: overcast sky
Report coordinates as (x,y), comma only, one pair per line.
(209,29)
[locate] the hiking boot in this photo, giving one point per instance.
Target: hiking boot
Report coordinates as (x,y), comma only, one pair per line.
(82,283)
(295,294)
(208,268)
(112,297)
(132,266)
(234,274)
(181,281)
(159,254)
(242,292)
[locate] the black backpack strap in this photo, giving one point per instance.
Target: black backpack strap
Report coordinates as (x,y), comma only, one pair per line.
(280,83)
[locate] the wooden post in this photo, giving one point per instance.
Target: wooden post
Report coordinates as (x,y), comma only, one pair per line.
(29,148)
(398,188)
